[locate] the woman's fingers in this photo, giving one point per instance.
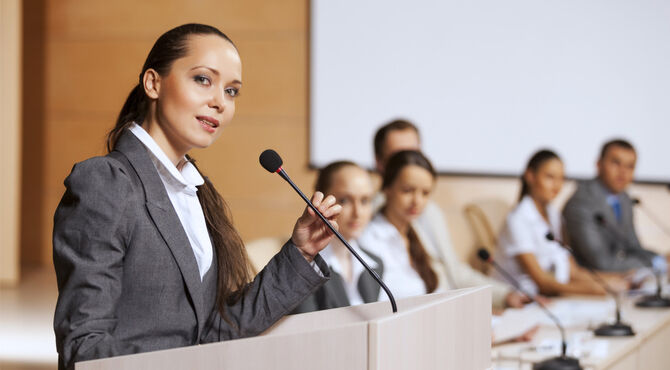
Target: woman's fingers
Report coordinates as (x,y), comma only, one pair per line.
(328,202)
(332,212)
(316,200)
(327,206)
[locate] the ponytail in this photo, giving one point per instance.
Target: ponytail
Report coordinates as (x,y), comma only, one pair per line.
(525,188)
(231,256)
(421,261)
(134,110)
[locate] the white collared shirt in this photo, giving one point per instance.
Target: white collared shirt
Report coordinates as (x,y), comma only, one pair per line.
(383,239)
(526,232)
(181,187)
(351,288)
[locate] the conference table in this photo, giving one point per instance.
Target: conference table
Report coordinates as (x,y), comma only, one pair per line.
(649,349)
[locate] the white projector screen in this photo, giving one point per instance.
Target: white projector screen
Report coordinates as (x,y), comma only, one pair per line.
(488,82)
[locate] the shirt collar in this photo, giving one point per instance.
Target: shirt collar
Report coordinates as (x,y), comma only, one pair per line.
(528,205)
(188,176)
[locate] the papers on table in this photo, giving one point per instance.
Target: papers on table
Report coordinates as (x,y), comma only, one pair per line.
(570,311)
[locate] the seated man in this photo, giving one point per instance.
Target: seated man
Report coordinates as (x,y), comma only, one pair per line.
(599,216)
(402,135)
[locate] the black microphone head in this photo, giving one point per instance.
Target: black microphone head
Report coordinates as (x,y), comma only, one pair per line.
(635,201)
(550,236)
(270,160)
(483,254)
(600,219)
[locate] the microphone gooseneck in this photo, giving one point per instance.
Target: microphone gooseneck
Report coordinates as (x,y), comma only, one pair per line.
(562,362)
(651,301)
(272,162)
(618,329)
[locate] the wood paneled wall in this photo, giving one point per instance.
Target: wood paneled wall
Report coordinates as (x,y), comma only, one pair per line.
(10,149)
(91,55)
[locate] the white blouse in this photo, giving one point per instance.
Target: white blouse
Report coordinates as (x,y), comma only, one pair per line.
(383,239)
(182,191)
(525,231)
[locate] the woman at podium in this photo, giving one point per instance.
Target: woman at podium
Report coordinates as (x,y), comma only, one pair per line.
(145,252)
(350,284)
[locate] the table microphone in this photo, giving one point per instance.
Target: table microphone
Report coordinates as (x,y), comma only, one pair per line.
(654,300)
(619,328)
(654,218)
(272,162)
(562,362)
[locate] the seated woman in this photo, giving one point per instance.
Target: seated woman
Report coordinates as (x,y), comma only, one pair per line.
(409,269)
(350,283)
(540,265)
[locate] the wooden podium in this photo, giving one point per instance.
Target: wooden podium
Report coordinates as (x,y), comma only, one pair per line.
(449,330)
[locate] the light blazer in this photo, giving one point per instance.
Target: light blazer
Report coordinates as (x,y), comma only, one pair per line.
(594,245)
(333,294)
(127,277)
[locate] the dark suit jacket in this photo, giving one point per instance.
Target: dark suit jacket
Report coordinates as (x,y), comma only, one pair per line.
(332,294)
(594,244)
(128,280)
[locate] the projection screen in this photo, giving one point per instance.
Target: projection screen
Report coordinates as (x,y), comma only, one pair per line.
(488,82)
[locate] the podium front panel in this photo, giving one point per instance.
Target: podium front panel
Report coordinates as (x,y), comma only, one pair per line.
(450,333)
(335,349)
(450,330)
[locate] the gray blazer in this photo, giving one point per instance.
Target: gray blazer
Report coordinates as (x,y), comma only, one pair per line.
(128,280)
(594,244)
(333,295)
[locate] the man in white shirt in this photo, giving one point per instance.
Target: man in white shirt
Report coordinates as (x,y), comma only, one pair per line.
(403,135)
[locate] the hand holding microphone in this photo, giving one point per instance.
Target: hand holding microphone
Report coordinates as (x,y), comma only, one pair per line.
(311,235)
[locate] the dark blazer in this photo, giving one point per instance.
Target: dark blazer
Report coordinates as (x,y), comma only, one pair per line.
(332,294)
(595,245)
(128,280)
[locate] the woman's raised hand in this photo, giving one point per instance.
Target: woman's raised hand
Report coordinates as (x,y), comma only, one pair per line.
(310,234)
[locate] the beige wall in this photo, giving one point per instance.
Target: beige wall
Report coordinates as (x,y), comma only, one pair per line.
(93,52)
(10,149)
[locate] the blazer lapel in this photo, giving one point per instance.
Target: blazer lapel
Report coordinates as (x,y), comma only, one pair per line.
(334,294)
(165,218)
(600,193)
(367,285)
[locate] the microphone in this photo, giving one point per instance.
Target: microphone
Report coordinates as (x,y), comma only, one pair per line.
(557,363)
(654,218)
(272,162)
(619,328)
(655,300)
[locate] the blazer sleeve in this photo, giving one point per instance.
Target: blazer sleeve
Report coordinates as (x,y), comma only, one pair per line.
(275,292)
(90,225)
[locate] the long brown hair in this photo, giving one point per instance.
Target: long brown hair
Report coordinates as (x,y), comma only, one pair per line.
(234,270)
(420,259)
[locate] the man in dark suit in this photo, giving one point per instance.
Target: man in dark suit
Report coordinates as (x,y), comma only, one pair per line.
(599,216)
